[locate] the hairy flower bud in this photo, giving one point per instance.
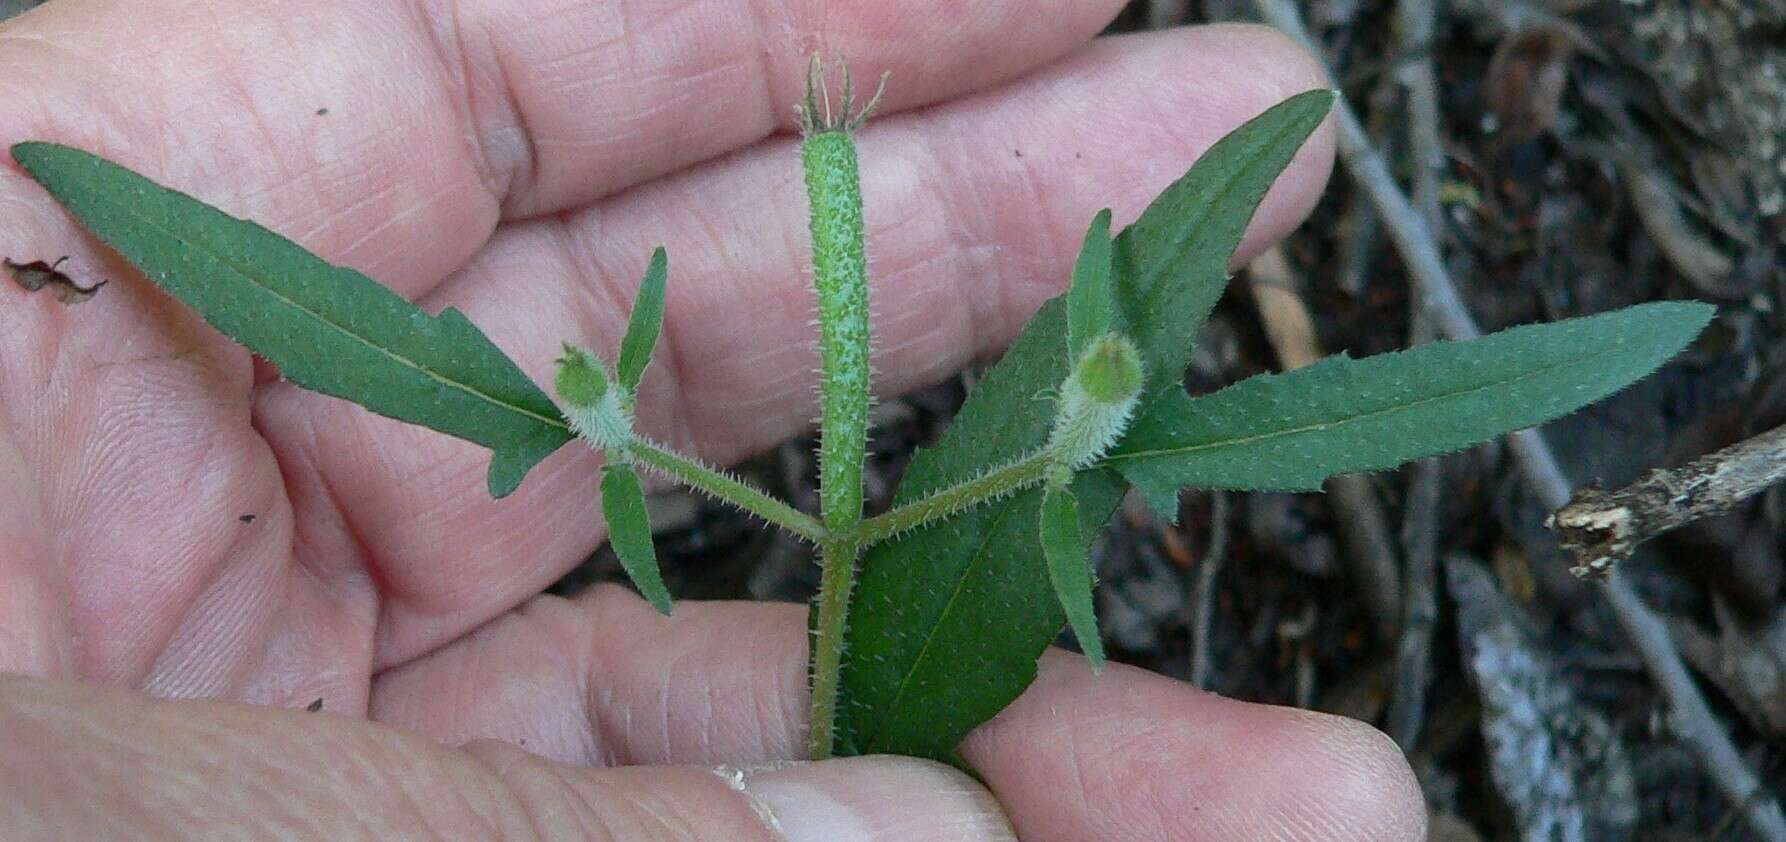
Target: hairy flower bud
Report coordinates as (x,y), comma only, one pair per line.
(581,380)
(594,404)
(1096,401)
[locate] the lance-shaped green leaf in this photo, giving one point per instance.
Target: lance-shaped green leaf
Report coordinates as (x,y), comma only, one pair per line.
(328,328)
(1290,432)
(646,322)
(948,620)
(629,530)
(1069,569)
(1089,302)
(1172,264)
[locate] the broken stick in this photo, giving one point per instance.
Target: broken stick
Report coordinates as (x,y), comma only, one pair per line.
(1603,528)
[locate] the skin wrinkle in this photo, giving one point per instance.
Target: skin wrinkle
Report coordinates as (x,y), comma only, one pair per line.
(500,764)
(602,314)
(297,163)
(160,575)
(36,602)
(664,722)
(444,194)
(590,739)
(948,324)
(763,32)
(302,676)
(597,699)
(443,21)
(1052,249)
(1076,751)
(422,808)
(202,656)
(980,307)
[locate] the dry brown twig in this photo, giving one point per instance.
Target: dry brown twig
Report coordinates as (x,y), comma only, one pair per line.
(1689,715)
(1415,23)
(1203,592)
(1603,528)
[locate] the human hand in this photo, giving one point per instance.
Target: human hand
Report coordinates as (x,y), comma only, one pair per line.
(519,159)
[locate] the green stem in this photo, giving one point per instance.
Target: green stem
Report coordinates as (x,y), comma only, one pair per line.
(840,277)
(835,582)
(727,488)
(956,498)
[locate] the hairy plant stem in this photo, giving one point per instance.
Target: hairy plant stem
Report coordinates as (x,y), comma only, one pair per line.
(840,281)
(836,580)
(725,488)
(991,485)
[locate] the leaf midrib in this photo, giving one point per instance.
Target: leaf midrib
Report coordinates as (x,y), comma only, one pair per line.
(343,330)
(1354,419)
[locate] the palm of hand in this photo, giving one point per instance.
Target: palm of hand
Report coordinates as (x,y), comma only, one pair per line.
(179,521)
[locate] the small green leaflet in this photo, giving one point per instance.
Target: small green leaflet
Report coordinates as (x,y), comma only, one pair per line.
(947,622)
(1069,569)
(647,320)
(328,328)
(629,531)
(1089,305)
(1290,432)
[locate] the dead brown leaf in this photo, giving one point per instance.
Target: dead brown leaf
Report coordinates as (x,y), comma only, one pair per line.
(1525,82)
(37,275)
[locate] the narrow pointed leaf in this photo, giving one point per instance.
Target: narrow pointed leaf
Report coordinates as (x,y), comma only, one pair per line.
(1069,569)
(1290,432)
(629,531)
(948,620)
(328,328)
(646,322)
(1172,264)
(1089,302)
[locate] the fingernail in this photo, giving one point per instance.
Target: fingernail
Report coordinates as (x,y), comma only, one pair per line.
(873,799)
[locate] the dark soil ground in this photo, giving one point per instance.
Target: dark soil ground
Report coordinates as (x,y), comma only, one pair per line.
(1596,154)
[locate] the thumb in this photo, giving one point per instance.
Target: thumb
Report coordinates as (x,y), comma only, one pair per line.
(86,762)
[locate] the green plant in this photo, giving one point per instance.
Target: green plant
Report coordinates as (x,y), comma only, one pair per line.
(983,557)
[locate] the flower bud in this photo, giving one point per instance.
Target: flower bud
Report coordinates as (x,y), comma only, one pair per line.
(581,380)
(595,406)
(1110,369)
(1096,401)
